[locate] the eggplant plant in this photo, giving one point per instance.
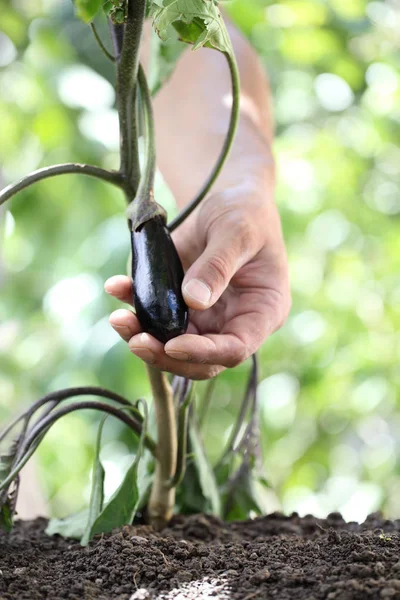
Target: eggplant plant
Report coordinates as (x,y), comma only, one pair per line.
(173,471)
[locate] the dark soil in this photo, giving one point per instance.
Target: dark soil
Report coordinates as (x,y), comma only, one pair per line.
(201,557)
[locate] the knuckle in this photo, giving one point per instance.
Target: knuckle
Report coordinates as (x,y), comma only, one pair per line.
(218,268)
(238,356)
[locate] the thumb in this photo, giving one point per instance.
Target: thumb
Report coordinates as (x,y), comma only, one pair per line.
(210,275)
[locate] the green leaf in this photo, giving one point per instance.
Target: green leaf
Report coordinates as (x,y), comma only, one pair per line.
(97,493)
(6,517)
(197,22)
(72,526)
(121,508)
(164,56)
(204,469)
(87,9)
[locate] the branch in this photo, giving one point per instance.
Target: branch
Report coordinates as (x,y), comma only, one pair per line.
(102,47)
(226,148)
(127,68)
(162,497)
(185,400)
(56,397)
(109,176)
(50,419)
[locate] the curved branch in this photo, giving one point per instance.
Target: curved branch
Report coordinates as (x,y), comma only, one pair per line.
(230,136)
(65,394)
(99,41)
(50,419)
(110,176)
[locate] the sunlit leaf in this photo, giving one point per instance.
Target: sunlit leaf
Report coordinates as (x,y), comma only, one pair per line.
(87,9)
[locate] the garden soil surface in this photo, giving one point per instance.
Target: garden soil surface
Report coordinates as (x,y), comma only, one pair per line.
(200,557)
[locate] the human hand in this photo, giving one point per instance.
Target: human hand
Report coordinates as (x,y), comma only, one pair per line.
(236,285)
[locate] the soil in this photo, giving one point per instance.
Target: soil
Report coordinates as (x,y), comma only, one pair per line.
(200,557)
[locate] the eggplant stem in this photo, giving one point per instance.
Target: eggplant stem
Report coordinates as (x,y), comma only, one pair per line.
(110,176)
(162,497)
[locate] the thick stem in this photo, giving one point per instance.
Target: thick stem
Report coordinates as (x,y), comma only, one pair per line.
(162,498)
(230,136)
(143,207)
(127,68)
(109,176)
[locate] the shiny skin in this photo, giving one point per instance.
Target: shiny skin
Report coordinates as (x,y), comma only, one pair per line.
(157,275)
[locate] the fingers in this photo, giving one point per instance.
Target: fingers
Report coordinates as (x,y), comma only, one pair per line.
(211,273)
(120,286)
(152,352)
(125,323)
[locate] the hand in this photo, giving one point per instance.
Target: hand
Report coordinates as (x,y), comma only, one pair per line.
(236,285)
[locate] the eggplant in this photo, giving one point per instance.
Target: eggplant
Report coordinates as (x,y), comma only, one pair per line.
(157,275)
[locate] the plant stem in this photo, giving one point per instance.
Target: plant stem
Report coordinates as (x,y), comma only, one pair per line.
(56,397)
(127,68)
(230,136)
(185,400)
(40,429)
(162,498)
(143,207)
(246,403)
(109,176)
(112,410)
(102,47)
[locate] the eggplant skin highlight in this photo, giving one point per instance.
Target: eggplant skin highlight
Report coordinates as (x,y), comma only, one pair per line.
(157,275)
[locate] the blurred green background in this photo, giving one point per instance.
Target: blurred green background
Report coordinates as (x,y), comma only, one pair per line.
(330,379)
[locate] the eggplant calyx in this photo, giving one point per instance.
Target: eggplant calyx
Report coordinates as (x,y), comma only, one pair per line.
(141,210)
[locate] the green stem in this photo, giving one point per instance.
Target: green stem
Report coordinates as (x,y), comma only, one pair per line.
(246,403)
(206,400)
(143,207)
(162,497)
(112,410)
(127,69)
(109,176)
(37,434)
(102,47)
(226,148)
(183,422)
(65,394)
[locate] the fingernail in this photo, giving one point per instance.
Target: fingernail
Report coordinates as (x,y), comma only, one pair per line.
(199,291)
(145,338)
(178,355)
(144,354)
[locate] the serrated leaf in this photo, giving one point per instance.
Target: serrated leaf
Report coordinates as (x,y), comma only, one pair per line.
(87,9)
(72,526)
(197,22)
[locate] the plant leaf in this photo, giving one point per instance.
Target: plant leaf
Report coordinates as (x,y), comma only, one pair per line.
(72,526)
(197,22)
(164,56)
(6,517)
(97,493)
(204,469)
(121,508)
(87,9)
